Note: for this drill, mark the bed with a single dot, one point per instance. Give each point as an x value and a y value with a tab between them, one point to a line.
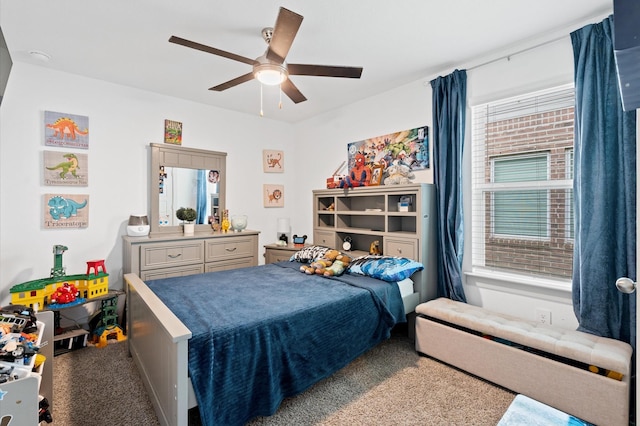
236	343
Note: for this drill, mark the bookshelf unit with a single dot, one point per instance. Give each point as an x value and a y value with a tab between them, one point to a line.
372	213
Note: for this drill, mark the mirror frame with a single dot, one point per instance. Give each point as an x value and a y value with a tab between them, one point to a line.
188	158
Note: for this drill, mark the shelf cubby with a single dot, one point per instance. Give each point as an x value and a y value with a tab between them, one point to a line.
361	222
368	214
361	203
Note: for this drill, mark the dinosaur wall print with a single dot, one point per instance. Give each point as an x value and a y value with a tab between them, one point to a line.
65	168
66	130
64	211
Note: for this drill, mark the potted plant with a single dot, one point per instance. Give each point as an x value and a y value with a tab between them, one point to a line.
187	215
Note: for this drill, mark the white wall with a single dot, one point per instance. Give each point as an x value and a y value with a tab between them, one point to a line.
410	106
123	121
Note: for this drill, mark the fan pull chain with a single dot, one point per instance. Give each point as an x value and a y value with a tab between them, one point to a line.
280	103
261	112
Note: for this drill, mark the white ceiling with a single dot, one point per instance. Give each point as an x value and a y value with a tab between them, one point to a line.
396	42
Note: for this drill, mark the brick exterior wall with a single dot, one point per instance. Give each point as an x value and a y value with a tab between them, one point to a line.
550	132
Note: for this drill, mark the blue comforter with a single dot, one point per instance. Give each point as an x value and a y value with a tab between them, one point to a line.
269	332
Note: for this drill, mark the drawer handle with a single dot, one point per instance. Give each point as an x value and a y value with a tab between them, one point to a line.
174	256
231	249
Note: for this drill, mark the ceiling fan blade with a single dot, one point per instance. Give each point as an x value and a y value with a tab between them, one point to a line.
231	83
292	91
284	31
209	49
324	70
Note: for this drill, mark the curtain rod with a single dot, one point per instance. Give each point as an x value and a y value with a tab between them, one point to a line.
560	35
508	57
500	58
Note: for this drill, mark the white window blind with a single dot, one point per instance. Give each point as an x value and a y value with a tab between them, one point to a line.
522	179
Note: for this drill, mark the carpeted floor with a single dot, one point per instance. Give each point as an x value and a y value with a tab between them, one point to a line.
389	385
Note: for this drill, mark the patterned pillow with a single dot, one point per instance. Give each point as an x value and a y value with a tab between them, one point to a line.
387	268
308	254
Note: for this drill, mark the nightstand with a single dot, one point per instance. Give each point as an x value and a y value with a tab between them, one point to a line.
275	253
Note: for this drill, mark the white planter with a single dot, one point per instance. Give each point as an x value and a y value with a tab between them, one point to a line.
189	228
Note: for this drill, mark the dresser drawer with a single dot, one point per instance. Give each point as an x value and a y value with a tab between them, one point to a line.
324	238
226	265
180	271
405	248
163	255
272	256
235	247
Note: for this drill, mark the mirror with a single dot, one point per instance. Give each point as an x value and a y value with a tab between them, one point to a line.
195	188
186	177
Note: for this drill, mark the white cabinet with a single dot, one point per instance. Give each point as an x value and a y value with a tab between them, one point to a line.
20	398
401	218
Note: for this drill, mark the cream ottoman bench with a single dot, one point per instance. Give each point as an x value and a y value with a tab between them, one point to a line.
578	373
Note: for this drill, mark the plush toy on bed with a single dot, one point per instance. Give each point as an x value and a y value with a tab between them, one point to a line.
338	266
318	266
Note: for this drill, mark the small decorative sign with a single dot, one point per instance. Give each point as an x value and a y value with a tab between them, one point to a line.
173	132
66	130
65	168
273	195
64	211
272	161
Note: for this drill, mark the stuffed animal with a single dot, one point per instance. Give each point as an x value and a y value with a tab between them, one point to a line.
359	175
338	266
318	266
374	248
398	174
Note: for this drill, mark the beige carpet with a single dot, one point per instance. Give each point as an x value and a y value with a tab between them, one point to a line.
389	385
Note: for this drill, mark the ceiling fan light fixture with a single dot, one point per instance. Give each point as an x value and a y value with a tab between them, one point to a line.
270	76
269	73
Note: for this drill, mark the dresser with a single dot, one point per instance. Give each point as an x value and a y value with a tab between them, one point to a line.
176	255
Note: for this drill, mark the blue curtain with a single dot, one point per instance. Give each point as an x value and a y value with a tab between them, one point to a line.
449	108
201	197
604	189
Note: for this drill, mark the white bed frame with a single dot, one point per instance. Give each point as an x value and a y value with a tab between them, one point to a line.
158	343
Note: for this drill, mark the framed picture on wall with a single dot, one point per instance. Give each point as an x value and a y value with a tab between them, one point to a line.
173	132
272	161
65	168
66	130
66	211
273	195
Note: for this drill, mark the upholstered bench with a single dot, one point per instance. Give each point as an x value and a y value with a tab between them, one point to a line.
578	373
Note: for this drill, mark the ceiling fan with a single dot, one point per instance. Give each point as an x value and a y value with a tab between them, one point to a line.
271	68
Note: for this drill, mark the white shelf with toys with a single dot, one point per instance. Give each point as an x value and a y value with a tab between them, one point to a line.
26	365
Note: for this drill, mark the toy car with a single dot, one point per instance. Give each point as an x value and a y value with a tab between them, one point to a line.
65	294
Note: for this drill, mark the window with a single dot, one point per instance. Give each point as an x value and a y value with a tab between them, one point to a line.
522	166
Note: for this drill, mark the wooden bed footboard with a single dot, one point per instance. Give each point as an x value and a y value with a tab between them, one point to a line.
158	343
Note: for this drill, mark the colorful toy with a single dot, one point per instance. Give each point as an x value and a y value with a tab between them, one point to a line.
374	248
299	241
225	224
338	267
107	326
41	292
318	266
359	175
